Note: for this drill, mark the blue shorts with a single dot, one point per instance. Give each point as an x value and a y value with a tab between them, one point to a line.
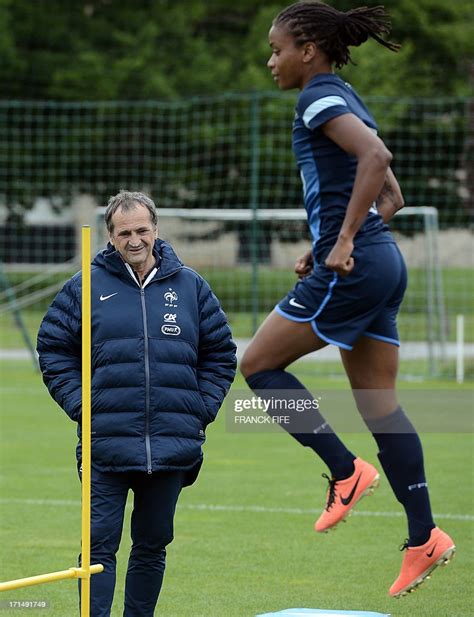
364	303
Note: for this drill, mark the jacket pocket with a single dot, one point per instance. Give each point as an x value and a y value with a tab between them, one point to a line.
202	411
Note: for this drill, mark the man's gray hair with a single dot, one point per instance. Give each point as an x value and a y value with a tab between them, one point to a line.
128	200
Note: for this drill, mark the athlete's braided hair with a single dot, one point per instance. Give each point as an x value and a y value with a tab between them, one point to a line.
334	31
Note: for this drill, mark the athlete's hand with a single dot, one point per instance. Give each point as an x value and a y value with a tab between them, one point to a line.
340	258
304	264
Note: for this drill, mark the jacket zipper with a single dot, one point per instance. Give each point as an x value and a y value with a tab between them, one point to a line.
147	374
147	383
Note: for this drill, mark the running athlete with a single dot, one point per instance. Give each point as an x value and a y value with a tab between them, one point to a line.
353	280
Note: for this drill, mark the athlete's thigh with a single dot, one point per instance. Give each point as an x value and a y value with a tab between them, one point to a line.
372	368
277	343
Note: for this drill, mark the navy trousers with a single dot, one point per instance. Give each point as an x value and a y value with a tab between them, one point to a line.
155	497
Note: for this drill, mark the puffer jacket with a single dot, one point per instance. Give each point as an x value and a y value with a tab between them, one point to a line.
162	361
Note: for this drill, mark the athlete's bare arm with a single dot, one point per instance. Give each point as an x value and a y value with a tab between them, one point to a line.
373	161
390	198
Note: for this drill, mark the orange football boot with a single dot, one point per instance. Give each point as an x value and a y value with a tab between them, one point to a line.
343	495
420	561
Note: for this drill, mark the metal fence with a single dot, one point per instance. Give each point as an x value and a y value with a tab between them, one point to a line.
60	161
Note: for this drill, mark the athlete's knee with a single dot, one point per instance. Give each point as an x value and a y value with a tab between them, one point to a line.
251	363
245	366
375	403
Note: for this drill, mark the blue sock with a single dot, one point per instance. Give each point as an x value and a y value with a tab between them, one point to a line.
401	456
308	427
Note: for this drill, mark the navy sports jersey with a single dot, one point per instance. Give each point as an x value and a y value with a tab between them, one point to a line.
327	171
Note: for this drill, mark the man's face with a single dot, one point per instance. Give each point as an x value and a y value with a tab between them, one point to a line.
133	236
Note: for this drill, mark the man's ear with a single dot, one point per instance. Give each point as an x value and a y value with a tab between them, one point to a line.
110	238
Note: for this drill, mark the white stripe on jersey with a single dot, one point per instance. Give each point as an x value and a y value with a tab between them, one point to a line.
320	105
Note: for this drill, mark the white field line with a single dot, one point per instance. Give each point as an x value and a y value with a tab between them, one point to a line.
231	508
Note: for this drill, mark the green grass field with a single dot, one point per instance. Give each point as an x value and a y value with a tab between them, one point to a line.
244	542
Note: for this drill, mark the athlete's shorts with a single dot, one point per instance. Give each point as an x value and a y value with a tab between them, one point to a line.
363	303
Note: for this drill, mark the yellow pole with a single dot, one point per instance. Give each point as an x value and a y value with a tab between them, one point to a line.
86	422
85	571
48	578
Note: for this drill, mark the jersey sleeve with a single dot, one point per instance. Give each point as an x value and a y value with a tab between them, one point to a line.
315	110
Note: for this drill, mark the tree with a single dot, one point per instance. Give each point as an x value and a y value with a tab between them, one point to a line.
141	49
162	50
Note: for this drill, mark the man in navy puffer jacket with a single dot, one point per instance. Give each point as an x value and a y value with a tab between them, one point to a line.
162	362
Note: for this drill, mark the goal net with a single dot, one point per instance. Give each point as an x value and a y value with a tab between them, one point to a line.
223	175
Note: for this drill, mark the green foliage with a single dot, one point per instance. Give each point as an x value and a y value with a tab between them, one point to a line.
11	63
140	49
378	70
441	34
144	50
